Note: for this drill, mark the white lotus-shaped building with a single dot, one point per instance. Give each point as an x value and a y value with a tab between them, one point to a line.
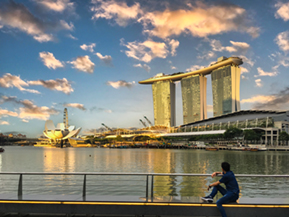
62	131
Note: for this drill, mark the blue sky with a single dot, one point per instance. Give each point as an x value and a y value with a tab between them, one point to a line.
88	56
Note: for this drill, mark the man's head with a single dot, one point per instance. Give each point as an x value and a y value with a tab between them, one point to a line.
225	166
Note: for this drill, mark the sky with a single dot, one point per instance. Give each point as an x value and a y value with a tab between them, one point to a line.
88	56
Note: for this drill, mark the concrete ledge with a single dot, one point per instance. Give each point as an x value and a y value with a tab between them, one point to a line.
140	208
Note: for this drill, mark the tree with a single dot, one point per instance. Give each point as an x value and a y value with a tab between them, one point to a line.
233	132
283	137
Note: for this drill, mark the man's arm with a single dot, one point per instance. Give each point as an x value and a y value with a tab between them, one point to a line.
215	174
214	184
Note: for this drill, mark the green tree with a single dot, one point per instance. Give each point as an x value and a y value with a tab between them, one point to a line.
233	132
283	137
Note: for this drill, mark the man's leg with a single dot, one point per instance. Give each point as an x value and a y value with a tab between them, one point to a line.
229	197
217	188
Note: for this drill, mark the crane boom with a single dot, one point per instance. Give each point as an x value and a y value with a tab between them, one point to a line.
143	123
106	127
150	123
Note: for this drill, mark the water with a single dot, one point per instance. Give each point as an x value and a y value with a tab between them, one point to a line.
37	159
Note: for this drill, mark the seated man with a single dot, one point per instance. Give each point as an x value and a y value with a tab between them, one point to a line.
230	194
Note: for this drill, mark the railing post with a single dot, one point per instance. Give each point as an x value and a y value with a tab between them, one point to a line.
152	189
147	188
20	187
84	186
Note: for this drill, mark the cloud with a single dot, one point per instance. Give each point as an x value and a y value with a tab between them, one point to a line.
118	84
106	59
50	61
194	68
258	83
100	109
282	40
83	63
244	77
244	70
61	85
119	11
207	56
282	11
75	105
173	67
5	113
144	66
146	51
281	59
88	47
247	60
275	101
174	44
72	37
240	47
29	110
56	5
200	21
262	73
9	80
4	122
17	16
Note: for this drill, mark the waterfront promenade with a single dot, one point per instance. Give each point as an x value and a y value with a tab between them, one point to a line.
24	200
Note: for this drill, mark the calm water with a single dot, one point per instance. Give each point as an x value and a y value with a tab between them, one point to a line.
36	159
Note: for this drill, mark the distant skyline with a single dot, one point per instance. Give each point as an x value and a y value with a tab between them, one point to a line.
88	56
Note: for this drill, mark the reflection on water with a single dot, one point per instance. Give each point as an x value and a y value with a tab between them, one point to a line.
36	159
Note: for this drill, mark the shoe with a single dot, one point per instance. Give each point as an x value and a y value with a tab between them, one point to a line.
207	198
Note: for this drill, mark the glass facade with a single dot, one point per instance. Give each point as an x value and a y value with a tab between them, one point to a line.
225	87
164	103
194	98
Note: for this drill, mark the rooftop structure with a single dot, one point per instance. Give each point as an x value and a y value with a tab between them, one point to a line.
225	75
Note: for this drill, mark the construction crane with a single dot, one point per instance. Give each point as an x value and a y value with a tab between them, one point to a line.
150	123
106	127
143	123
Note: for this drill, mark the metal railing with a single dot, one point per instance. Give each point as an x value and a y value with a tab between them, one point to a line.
145	185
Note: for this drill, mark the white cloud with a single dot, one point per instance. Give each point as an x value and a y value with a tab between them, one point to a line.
173	67
118	84
241	47
4	113
262	73
258	83
119	11
146	51
75	105
194	68
201	21
72	37
88	47
61	85
144	66
56	5
4	122
16	15
31	111
258	99
282	40
282	11
207	56
8	81
247	60
28	109
174	44
244	70
50	61
106	59
83	63
244	77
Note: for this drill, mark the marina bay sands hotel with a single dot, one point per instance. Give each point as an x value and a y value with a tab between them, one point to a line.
225	76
